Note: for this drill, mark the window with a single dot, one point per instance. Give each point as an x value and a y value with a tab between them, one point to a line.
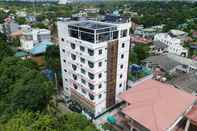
74	67
74	77
124	33
121	76
91	76
83	71
83	81
90	52
63	50
82	48
91	65
121	66
123	45
75	86
100	96
72	45
82	60
100	86
91	96
122	56
100	64
100	75
65	70
120	85
64	61
83	91
91	86
66	79
100	51
62	39
73	56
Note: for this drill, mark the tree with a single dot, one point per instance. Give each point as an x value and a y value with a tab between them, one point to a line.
26	120
22	86
140	52
52	57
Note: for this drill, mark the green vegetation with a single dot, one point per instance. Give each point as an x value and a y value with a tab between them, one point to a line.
26	96
138	53
26	120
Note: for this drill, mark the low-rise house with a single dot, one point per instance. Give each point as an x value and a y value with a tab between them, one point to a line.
148	32
174	40
170	63
187	82
9	26
159	48
155	106
140	40
32	37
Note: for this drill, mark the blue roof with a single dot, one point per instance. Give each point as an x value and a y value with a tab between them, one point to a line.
40	48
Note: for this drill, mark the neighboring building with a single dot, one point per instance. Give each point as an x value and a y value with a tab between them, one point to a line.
170	63
159	48
9	26
187	82
32	37
155	106
174	40
65	1
140	40
148	32
94	58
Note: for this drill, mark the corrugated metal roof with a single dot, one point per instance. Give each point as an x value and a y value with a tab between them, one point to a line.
40	48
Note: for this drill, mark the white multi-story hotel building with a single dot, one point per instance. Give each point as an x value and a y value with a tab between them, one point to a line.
174	40
94	60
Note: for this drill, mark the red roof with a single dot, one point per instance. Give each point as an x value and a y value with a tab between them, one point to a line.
156	105
192	115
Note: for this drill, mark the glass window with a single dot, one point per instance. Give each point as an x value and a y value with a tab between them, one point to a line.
74	33
91	76
120	85
87	37
90	52
121	76
74	67
91	86
100	75
82	60
65	70
91	64
100	64
83	81
124	33
100	86
62	39
83	71
74	77
100	96
63	50
83	91
75	86
122	56
123	45
115	35
121	66
100	51
82	48
72	45
73	56
91	96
